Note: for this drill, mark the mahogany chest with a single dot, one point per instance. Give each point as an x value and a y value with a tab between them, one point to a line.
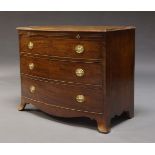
78	71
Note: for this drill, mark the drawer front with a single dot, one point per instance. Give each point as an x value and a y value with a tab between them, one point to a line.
34	66
69	48
78	72
86	99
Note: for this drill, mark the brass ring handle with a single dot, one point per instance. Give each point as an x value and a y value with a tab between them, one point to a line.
32	89
31	66
79	49
79	72
30	45
80	98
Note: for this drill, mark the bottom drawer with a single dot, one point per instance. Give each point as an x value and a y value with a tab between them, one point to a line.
69	96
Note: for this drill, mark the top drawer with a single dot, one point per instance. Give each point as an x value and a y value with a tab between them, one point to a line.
62	47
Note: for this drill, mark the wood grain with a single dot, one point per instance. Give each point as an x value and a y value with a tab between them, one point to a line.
62	70
63	95
119	73
108	62
73	28
47	45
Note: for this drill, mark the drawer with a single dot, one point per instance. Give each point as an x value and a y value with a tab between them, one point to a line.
68	48
61	70
68	96
34	66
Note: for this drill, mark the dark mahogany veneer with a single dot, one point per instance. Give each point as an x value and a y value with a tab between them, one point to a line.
96	80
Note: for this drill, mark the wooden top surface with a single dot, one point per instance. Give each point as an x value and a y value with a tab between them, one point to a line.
69	28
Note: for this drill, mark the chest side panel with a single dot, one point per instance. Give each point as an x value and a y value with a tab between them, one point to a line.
120	51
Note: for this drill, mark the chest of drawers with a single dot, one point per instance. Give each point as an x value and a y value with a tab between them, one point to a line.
78	71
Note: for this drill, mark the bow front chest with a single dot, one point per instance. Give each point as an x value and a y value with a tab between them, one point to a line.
78	71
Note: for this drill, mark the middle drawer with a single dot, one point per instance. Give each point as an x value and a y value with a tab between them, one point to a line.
62	70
